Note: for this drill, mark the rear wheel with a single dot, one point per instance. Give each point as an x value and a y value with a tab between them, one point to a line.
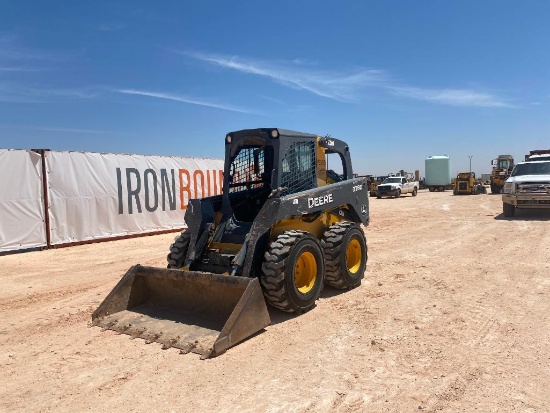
178	250
345	250
431	188
509	210
414	192
293	272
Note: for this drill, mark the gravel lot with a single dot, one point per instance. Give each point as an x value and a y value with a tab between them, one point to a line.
453	315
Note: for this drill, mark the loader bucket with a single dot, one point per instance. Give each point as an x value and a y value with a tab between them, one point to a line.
204	313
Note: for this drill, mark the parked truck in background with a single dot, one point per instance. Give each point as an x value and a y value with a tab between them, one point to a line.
395	186
502	168
374	182
528	187
538	155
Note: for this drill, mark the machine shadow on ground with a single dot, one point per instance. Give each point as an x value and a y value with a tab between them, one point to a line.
526	215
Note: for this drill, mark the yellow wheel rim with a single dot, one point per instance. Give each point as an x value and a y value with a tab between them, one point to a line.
353	256
305	272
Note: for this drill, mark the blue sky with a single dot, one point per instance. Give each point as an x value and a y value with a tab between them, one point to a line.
398	80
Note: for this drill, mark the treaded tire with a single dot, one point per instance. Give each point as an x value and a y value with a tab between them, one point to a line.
335	245
414	192
508	210
178	250
279	271
398	193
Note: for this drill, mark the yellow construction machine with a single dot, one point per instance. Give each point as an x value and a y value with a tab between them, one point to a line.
465	183
374	182
502	168
283	227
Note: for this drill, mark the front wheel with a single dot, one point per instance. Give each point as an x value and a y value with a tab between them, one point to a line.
293	272
398	193
509	210
345	250
178	250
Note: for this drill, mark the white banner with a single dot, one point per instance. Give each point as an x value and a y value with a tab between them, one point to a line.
102	195
21	204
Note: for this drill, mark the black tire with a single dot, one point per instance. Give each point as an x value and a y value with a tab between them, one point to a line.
293	272
345	250
378	196
178	250
431	188
414	192
508	210
398	193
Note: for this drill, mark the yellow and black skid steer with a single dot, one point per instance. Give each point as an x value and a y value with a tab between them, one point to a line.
282	228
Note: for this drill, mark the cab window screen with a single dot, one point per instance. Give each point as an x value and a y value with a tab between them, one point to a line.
298	167
243	175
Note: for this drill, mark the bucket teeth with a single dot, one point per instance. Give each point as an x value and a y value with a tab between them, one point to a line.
110	324
169	343
151	338
137	333
187	348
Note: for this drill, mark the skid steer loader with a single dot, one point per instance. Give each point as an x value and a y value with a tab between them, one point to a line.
283	227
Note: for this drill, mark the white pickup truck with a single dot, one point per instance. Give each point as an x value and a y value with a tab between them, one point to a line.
396	186
527	187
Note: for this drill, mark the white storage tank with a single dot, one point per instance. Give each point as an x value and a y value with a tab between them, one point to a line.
438	172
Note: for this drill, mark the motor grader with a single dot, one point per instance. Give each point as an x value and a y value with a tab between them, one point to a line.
282	228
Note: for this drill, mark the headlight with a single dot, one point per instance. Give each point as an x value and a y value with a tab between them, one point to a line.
509	188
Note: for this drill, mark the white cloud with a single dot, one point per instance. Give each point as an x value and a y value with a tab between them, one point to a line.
184	99
110	27
453	97
347	86
14	92
68	130
18	69
341	86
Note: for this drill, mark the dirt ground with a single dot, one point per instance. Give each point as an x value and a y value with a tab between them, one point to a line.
453	315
